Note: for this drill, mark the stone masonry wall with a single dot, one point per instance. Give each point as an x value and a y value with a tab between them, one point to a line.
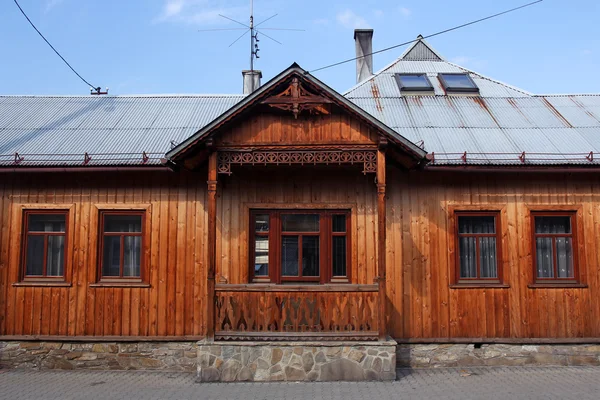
167	356
301	361
453	355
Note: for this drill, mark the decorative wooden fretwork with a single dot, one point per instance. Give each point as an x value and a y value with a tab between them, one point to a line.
366	157
296	99
270	315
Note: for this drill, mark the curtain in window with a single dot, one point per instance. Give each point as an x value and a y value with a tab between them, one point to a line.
132	246
545	249
473	226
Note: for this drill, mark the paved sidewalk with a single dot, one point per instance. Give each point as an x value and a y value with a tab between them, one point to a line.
453	383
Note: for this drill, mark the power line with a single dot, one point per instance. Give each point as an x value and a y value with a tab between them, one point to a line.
52	47
428	36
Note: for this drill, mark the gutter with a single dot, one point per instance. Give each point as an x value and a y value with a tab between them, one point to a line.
475	169
84	169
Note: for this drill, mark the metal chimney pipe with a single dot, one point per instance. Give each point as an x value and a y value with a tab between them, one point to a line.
364	47
251	80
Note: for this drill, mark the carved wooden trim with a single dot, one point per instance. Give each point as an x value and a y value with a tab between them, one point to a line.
367	157
295	98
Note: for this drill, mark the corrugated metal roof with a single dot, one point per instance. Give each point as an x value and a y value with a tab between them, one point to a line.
494	127
112	130
503	125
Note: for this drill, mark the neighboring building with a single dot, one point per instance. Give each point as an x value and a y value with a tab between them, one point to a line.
429	204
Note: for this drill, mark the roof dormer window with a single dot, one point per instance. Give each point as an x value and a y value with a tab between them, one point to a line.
414	83
458	83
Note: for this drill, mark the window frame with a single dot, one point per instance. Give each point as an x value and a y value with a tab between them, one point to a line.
450	89
573	216
498	229
101	234
24	238
403	88
275	235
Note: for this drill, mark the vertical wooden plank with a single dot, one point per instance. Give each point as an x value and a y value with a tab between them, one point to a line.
181	264
381	243
212	244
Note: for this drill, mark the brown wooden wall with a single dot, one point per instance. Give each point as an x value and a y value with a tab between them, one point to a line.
277	129
420	253
310	188
419	249
171	306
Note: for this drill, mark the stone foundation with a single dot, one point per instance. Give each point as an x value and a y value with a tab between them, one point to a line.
299	361
458	355
166	356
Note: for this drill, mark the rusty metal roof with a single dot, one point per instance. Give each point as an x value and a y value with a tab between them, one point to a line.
499	126
502	125
111	130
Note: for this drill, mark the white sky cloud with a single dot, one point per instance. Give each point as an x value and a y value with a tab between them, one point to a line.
406	12
50	4
349	19
378	13
201	12
586	52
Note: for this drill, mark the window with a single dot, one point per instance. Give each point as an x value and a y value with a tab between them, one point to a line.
413	83
122	245
478	247
554	244
299	246
458	83
44	244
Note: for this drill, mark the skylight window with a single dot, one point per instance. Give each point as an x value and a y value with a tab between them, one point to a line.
413	83
458	83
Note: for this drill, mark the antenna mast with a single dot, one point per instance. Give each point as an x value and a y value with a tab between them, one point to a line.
253	38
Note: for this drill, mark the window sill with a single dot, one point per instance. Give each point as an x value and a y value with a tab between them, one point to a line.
42	284
479	286
557	286
120	285
257	287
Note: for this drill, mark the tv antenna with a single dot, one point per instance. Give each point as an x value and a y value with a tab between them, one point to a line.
253	30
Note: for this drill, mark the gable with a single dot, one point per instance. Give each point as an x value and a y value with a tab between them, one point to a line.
297	109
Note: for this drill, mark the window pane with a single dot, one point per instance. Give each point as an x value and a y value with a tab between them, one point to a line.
553	224
544	259
122	223
261	256
472	224
35	255
132	255
300	222
338	223
111	257
261	223
460	81
468	257
289	256
46	223
310	256
339	256
416	81
56	255
487	257
564	257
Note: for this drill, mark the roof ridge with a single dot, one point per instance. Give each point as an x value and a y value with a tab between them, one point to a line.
491	79
76	96
421	40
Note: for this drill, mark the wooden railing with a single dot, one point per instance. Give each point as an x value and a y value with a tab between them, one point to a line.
324	312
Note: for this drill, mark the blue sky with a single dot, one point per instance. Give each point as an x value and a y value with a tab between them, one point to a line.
153	46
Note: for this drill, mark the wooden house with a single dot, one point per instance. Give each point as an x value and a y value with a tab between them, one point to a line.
427	205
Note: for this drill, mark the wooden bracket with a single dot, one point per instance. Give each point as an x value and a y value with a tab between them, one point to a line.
296	98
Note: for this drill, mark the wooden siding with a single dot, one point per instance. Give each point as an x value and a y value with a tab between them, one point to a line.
420	256
171	306
330	187
419	249
282	129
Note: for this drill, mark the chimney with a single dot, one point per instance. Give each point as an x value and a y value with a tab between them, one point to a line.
364	47
251	80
